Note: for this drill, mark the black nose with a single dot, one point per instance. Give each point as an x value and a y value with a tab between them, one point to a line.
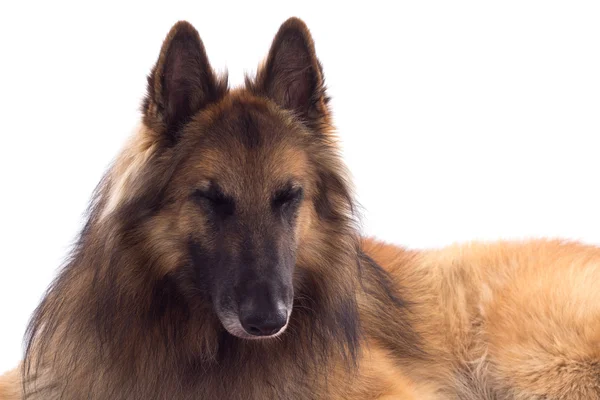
263	324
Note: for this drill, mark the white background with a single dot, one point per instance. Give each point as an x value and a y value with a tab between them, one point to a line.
460	120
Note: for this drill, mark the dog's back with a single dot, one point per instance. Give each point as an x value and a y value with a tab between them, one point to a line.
503	320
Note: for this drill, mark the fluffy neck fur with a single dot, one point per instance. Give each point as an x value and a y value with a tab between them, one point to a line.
111	326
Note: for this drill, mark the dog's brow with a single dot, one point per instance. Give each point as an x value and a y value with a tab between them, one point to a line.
205	184
287	186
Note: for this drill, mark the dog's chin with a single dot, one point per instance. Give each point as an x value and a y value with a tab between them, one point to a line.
232	325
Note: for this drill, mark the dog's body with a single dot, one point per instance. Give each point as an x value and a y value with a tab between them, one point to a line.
503	320
221	261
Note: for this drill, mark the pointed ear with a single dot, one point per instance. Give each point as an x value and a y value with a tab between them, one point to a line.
181	83
292	75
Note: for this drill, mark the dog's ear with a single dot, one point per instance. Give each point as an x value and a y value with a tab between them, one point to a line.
292	75
181	83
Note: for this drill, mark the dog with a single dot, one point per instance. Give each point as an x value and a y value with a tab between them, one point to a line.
221	259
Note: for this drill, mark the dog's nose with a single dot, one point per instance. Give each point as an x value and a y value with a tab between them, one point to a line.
263	324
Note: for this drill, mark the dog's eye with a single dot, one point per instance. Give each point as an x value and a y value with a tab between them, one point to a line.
289	196
219	203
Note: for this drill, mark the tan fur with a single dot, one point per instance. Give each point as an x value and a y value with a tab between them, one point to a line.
503	320
134	155
10	385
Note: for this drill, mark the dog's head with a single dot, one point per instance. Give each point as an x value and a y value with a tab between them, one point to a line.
237	187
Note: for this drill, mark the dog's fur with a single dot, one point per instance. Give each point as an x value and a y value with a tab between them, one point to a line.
136	312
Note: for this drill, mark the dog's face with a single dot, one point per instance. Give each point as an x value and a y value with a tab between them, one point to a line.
248	183
245	192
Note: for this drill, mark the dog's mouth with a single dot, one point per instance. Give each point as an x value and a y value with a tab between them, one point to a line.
231	322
